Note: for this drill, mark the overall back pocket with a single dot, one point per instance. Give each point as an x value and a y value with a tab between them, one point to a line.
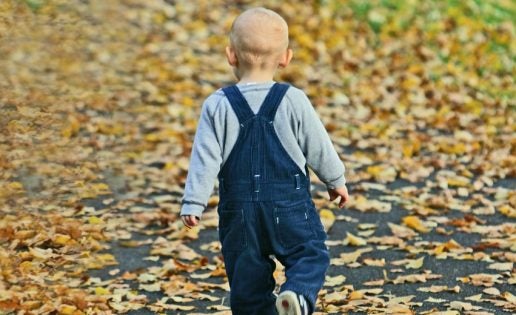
232	230
293	225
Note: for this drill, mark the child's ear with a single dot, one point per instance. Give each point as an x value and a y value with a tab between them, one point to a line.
231	56
285	59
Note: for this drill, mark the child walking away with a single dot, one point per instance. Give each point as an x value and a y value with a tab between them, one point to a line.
258	137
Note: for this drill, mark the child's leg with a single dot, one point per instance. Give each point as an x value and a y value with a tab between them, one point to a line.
248	266
251	284
299	246
305	271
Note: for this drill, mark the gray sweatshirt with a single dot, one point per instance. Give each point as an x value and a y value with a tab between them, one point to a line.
297	124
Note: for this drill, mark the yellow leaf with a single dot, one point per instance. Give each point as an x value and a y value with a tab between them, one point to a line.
41	253
110	129
374	170
201	276
476	298
101	188
334	281
151	258
153	287
347	258
451	244
327	219
95	220
66	309
458	181
363	204
374	262
15	186
353	240
408	150
509	297
72	128
415	263
508	211
462	306
439	249
186	233
147	277
188	101
464	279
61	239
304	39
439	288
213	201
456	148
401	231
334	298
102	291
382	173
25	266
152	137
356	295
508	266
492	291
410	82
107	259
413	222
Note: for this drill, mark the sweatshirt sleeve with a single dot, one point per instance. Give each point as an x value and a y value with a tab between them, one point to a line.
317	146
205	162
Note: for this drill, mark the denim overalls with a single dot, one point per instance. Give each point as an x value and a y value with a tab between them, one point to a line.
266	209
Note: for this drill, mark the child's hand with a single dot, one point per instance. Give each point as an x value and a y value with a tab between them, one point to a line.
342	192
190	220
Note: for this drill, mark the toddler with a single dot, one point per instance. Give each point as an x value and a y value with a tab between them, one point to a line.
258	137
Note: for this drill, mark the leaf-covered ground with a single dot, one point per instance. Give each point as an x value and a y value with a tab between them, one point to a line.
98	107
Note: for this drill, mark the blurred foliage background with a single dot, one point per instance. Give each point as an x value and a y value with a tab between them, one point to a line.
90	87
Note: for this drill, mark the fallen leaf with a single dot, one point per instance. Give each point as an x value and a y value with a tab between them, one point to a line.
327	219
463	306
413	222
501	266
334	281
509	297
401	231
491	291
152	287
353	240
415	264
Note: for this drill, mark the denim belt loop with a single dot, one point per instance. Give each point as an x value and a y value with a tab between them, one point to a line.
257	183
298	181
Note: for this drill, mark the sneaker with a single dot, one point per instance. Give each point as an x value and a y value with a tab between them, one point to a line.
290	303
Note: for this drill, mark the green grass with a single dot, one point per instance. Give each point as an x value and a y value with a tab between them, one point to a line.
492	12
376	14
34	5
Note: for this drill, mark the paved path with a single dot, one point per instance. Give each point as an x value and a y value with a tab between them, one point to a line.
447	271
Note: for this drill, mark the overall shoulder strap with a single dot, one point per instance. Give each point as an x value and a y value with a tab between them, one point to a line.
238	103
272	100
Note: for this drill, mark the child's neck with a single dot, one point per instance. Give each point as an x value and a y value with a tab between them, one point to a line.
256	76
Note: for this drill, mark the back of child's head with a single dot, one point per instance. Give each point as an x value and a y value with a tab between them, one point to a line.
258	36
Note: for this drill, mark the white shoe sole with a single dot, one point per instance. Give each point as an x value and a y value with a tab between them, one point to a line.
288	304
